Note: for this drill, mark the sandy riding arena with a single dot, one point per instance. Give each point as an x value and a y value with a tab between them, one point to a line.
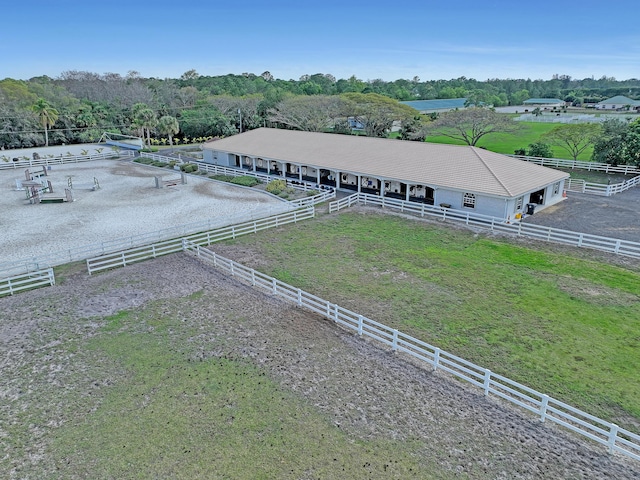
126	204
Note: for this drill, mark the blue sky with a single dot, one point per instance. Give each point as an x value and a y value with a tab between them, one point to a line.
371	39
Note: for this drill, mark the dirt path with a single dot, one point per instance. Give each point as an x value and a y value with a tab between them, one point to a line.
365	390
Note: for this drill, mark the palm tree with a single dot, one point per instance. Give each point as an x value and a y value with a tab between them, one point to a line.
47	116
145	119
168	125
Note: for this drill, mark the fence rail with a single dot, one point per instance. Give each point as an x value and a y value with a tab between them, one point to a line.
615	438
495	224
590	166
43	162
325	194
133	255
18	283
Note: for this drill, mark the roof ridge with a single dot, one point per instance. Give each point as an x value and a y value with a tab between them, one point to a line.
475	150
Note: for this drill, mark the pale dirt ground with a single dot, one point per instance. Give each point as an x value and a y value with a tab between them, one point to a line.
127	204
364	389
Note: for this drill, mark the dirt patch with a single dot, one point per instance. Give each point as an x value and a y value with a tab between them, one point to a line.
366	391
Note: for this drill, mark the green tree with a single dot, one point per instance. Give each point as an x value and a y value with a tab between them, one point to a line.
619	143
145	119
316	113
540	149
376	112
205	122
575	138
471	124
47	115
168	125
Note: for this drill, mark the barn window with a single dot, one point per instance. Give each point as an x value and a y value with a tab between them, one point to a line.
519	202
469	200
556	188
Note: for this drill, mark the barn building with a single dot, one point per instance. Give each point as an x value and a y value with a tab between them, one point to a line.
459	177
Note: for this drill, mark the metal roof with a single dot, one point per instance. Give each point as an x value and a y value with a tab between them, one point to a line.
619	100
439	104
542	101
456	167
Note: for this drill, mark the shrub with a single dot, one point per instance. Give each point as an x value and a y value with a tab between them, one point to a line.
189	167
276	186
221	178
245	181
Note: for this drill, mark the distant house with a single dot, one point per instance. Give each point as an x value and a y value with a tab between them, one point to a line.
439	105
619	102
460	177
544	102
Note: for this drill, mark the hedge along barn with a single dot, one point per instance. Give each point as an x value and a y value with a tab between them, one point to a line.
459	177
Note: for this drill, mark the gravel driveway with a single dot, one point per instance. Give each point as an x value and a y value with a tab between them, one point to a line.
615	217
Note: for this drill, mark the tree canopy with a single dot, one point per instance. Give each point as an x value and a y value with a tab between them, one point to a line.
574	138
471	124
619	143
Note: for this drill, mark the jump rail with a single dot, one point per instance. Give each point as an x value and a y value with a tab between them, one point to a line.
495	224
615	438
18	283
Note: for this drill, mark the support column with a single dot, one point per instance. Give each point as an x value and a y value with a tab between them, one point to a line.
381	180
318	176
359	177
408	188
253	161
300	173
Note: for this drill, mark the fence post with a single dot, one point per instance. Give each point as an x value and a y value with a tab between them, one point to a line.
274	285
215	259
394	343
52	278
487	380
253	277
10	287
335	312
543	407
299	297
360	323
613	434
124	260
436	358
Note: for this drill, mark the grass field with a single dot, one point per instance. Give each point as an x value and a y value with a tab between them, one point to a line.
507	143
562	325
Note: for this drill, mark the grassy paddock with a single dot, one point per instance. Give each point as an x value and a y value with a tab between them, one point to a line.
565	326
507	143
174	414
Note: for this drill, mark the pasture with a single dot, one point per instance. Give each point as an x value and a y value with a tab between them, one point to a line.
507	143
554	321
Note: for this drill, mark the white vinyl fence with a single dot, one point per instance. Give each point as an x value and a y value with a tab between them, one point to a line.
572	164
495	224
326	193
27	281
43	162
133	255
616	439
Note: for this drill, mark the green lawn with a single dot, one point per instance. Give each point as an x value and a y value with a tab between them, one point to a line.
562	325
507	143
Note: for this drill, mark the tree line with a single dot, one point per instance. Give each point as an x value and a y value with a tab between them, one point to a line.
77	107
